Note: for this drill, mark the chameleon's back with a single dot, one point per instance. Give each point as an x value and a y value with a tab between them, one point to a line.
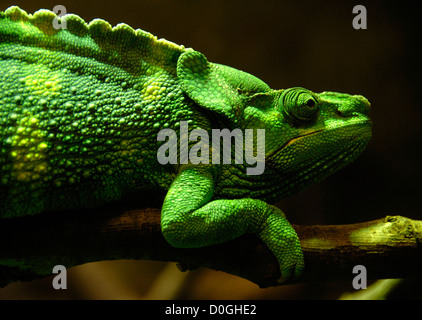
76	108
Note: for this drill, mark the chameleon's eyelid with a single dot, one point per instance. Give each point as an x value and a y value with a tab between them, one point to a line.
299	105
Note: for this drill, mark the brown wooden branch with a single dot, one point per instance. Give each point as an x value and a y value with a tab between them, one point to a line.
30	247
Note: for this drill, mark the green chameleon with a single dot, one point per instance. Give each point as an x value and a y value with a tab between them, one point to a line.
81	109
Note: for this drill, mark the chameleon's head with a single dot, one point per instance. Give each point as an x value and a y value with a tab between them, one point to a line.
308	136
315	134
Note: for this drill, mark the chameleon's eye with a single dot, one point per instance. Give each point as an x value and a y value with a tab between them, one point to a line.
311	103
299	104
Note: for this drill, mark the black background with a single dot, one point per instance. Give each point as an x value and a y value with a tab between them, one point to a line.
314	45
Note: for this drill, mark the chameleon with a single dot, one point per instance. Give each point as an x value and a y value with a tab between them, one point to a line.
82	108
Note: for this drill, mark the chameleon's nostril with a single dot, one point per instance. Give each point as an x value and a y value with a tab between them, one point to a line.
363	104
353	106
338	113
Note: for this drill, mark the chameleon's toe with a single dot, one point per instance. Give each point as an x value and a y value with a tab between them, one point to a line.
291	267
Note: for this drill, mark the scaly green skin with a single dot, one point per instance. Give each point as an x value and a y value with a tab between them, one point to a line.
81	109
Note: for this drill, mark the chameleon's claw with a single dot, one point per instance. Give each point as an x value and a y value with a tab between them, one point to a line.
291	273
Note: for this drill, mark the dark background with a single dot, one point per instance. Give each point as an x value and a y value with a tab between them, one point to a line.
304	43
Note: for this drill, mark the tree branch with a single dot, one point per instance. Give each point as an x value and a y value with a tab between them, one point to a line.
31	246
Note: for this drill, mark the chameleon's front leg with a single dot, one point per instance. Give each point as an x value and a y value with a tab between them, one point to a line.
191	219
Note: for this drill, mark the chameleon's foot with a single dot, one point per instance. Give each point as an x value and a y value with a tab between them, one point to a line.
190	220
281	238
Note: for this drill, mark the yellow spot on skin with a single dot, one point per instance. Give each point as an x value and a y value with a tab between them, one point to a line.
42	146
40	168
151	90
23	142
28	151
22	176
33	121
43	81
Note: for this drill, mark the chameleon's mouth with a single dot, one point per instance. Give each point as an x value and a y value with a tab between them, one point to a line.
312	156
359	125
318	144
294	140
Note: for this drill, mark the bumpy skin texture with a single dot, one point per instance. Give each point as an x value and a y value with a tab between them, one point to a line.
81	108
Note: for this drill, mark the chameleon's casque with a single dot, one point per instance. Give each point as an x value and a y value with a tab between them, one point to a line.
81	108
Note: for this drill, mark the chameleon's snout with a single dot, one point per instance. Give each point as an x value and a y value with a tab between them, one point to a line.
362	104
348	105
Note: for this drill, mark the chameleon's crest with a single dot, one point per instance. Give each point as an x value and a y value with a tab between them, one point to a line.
121	45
